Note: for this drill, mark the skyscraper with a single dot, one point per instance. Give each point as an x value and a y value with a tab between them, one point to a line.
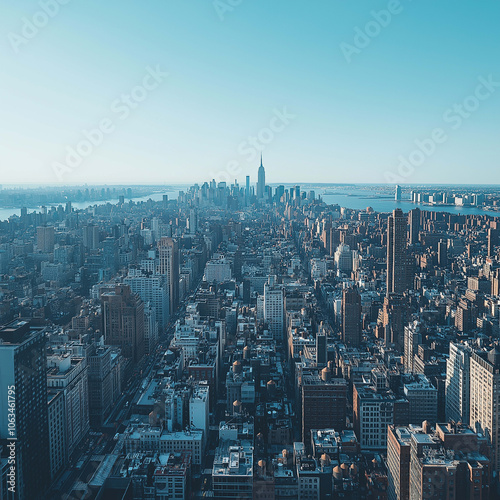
123	321
397	197
274	312
442	253
261	181
414	220
24	381
396	252
168	254
45	238
484	397
351	317
458	383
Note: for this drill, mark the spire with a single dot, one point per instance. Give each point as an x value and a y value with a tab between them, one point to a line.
261	160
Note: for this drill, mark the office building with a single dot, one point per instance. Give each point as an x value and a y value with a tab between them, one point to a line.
261	181
351	317
396	253
123	321
458	383
485	398
324	403
45	238
23	366
274	310
168	255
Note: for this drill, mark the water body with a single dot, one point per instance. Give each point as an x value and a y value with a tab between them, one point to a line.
381	202
172	193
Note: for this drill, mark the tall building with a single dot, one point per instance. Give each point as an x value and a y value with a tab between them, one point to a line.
45	238
57	431
373	411
321	349
422	399
397	196
274	308
324	403
412	339
448	462
23	370
69	374
458	383
343	258
485	399
396	253
442	253
151	288
100	384
261	181
351	317
414	221
398	463
123	321
168	254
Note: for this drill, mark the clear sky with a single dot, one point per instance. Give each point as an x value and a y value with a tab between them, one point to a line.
330	90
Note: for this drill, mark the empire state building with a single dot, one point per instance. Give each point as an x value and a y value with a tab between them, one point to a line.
261	180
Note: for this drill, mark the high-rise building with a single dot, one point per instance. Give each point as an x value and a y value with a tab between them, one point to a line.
324	403
57	431
414	221
321	349
412	339
442	253
24	382
151	288
485	397
70	375
398	463
343	258
373	411
261	181
123	321
396	253
45	238
168	255
351	317
422	397
274	310
199	410
449	462
397	196
100	384
458	383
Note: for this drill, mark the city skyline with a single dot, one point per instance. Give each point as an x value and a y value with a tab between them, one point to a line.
353	95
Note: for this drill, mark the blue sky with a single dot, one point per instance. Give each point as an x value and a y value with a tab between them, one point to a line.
234	70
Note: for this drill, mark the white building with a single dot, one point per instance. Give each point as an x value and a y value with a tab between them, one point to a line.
217	270
343	258
274	311
199	411
458	383
151	288
147	438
